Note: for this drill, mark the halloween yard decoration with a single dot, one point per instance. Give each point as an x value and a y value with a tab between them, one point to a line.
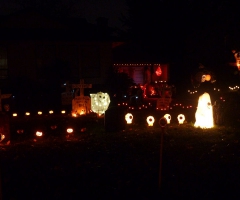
181	118
100	102
81	103
204	113
168	118
150	120
129	118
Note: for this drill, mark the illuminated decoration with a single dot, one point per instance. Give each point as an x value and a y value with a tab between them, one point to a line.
181	118
2	137
27	113
81	104
69	130
39	112
74	114
150	120
20	131
100	102
158	71
51	112
129	118
208	77
63	111
53	127
14	114
204	113
39	133
168	118
237	58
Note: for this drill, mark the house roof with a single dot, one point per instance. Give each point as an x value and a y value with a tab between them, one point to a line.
136	52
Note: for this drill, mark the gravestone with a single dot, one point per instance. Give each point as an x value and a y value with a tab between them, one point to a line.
81	104
67	96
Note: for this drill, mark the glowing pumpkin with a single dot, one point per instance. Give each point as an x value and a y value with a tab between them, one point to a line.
204	113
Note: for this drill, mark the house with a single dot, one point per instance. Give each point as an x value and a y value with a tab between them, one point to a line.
148	69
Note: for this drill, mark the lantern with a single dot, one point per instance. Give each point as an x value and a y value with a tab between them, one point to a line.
168	118
181	118
204	113
39	133
150	120
100	102
129	118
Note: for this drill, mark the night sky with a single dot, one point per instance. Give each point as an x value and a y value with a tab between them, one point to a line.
89	9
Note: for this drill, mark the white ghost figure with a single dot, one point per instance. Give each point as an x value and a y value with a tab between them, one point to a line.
100	102
204	113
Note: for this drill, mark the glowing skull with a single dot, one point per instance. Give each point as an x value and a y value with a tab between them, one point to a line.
204	113
100	102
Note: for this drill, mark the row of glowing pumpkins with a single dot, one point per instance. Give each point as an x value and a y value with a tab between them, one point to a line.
150	119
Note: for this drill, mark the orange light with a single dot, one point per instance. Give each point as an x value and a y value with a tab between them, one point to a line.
27	113
51	112
63	111
14	114
39	112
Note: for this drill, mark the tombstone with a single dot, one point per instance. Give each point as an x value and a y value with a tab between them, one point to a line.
4	128
67	96
114	119
81	104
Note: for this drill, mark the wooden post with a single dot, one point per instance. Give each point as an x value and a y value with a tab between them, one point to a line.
162	123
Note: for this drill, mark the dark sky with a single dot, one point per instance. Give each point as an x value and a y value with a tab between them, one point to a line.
89	9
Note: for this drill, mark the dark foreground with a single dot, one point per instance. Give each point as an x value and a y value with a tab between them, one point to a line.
93	164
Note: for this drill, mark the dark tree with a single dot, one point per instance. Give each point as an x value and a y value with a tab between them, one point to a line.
117	83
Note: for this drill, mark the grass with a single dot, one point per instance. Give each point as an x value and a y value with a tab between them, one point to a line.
92	163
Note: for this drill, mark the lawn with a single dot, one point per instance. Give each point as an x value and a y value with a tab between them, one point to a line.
91	163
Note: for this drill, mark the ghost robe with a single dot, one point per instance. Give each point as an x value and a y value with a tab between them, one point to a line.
204	113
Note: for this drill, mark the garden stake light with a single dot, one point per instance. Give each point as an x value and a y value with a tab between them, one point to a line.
181	118
168	118
150	120
129	118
